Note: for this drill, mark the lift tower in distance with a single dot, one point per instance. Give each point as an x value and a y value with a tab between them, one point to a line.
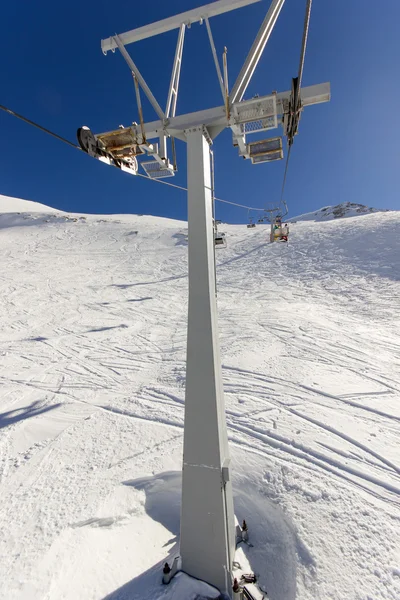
207	536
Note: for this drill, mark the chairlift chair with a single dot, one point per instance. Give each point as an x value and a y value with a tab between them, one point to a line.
284	233
280	232
220	240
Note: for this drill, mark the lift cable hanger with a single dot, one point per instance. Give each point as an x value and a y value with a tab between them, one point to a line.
77	147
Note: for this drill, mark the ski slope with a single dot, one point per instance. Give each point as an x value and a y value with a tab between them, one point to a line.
92	371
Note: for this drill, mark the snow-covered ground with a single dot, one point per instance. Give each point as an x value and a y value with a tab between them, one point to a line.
92	369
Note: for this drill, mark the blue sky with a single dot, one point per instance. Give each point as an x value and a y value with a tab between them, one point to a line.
53	72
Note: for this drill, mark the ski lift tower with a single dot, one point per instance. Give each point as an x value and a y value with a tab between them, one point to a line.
207	536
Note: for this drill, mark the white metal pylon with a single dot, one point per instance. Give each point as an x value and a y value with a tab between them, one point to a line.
207	517
207	542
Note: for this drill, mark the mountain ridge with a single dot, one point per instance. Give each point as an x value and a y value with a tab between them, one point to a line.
338	211
9	204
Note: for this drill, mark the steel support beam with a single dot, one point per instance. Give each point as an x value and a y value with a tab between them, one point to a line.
215	117
256	51
207	541
190	16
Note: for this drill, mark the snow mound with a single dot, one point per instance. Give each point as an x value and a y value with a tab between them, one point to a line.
15	212
16	205
345	209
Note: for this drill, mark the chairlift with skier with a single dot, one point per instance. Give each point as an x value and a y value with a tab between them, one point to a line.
279	231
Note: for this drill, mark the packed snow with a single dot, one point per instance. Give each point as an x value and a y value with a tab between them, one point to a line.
92	353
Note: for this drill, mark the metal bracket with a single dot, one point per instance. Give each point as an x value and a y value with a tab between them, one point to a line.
265	150
206	135
156	170
225	471
252	116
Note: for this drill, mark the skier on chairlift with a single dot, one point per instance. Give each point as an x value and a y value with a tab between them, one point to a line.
285	233
280	232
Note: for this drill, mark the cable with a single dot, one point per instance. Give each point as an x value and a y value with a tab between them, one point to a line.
297	102
304	41
239	205
285	174
58	137
180	187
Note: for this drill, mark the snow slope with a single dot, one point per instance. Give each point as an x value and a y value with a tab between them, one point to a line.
92	370
346	209
16	205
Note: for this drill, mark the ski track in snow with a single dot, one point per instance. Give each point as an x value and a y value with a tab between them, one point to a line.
92	354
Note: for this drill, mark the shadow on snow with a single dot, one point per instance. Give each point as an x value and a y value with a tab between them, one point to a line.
25	412
274	556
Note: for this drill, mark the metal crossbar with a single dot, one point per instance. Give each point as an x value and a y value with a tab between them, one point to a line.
189	17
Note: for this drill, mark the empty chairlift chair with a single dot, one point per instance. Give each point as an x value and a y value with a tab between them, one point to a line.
219	240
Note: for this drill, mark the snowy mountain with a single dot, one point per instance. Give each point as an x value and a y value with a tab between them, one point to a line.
346	209
92	372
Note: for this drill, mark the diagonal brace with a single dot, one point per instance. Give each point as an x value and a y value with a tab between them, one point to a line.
140	79
214	52
256	51
175	76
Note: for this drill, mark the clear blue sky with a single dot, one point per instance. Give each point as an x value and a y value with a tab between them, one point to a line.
53	71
